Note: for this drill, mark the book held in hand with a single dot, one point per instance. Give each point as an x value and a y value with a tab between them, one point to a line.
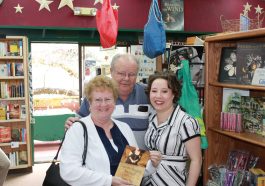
132	165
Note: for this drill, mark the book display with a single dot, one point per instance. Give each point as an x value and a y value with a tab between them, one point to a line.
222	142
15	138
132	165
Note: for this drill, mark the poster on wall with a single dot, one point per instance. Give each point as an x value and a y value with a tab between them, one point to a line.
173	14
147	66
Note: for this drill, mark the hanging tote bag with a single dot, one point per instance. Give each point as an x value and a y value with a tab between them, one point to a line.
189	99
154	33
107	24
53	177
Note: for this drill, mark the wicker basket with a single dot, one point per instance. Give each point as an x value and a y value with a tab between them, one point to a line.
233	25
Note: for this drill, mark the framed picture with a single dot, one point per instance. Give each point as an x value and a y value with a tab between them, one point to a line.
227	68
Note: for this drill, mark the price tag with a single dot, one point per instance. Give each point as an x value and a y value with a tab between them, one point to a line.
14	144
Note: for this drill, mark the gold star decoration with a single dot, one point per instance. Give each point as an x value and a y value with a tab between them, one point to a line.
69	3
258	9
115	7
98	1
18	8
44	4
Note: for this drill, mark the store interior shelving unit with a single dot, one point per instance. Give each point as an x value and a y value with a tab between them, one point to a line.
222	142
20	96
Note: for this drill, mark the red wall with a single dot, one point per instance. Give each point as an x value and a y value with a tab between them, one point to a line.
200	15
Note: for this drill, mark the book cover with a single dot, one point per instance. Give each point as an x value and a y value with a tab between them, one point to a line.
252	109
15	134
19	70
227	68
132	165
3	70
22	157
5	134
232	99
173	14
3	112
250	56
14	111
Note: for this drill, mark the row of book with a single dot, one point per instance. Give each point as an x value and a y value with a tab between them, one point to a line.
11	48
11	69
12	111
8	134
11	89
18	158
250	109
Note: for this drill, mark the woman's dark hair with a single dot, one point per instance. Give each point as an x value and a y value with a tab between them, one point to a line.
171	78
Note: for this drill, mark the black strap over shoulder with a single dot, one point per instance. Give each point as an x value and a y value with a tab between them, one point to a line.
85	144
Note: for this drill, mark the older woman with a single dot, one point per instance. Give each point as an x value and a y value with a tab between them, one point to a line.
107	139
172	132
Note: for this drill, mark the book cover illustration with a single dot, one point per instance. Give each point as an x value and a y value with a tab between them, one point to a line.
22	157
250	56
132	165
15	134
14	111
173	14
228	62
252	109
19	70
232	99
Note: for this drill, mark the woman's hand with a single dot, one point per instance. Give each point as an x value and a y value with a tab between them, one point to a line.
69	122
155	157
117	181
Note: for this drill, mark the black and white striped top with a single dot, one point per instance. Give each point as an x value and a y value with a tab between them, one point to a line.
169	138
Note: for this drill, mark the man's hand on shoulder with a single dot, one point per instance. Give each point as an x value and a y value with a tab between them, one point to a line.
69	122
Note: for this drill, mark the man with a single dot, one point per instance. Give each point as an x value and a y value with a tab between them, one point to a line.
132	106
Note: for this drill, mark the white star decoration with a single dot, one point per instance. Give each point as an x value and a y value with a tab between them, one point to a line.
247	6
98	1
115	7
44	4
18	8
258	9
69	3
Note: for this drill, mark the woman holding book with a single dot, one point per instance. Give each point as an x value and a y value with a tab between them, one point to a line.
172	132
107	139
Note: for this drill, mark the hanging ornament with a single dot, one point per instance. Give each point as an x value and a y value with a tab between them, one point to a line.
107	24
115	7
18	8
44	4
98	1
69	3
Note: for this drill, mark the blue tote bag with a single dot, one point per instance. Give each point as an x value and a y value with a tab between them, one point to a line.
154	33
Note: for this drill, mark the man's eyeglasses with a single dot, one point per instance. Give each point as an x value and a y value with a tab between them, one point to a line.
124	74
105	100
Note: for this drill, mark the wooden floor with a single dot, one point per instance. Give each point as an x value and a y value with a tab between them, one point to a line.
43	154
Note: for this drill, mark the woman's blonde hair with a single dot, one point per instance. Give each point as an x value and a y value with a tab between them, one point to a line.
101	83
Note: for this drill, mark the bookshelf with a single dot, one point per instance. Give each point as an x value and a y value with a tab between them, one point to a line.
222	142
15	137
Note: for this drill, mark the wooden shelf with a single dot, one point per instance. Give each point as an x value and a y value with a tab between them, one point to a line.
247	137
21	83
13	99
221	142
11	57
12	77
